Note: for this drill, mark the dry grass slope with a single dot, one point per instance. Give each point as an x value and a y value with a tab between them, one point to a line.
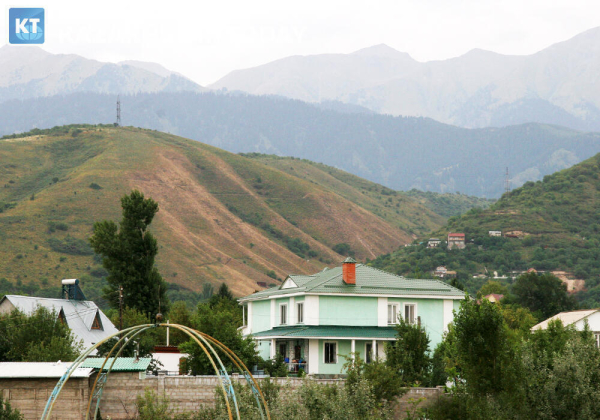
222	218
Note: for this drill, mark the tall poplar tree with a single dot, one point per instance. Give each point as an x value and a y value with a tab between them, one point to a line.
128	252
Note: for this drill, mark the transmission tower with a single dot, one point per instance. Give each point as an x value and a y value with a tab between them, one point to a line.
118	123
506	182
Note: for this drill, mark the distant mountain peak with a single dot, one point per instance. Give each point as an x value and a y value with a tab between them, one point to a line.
380	50
155	68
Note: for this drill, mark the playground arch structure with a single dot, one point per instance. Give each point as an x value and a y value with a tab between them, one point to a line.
206	343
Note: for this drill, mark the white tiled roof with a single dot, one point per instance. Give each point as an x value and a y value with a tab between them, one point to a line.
79	315
40	370
567	318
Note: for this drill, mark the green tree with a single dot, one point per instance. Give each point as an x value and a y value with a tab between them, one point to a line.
143	344
128	252
544	295
481	342
179	314
562	370
39	337
493	287
219	318
408	355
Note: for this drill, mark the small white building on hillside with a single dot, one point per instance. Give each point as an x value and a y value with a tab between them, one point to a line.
578	319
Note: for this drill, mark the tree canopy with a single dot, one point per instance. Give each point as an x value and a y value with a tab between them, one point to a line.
544	294
38	337
128	252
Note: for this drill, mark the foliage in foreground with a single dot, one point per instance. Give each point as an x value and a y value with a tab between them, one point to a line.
39	337
7	412
311	401
503	372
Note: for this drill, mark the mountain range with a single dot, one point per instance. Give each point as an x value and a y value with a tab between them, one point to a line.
401	153
32	72
558	85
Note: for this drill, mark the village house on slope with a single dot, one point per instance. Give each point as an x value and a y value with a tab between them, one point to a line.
433	243
86	321
578	319
456	240
312	320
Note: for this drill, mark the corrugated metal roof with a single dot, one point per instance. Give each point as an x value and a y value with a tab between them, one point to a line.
325	331
567	318
40	370
369	281
123	364
79	315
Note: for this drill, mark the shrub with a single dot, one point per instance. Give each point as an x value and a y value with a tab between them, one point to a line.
343	249
7	412
95	186
70	245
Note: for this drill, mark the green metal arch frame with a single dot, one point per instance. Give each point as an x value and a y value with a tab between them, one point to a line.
205	342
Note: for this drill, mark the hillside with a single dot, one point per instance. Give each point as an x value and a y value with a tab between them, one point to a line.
401	153
223	217
394	202
554	224
556	85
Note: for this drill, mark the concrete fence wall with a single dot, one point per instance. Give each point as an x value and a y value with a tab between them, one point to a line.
29	396
185	393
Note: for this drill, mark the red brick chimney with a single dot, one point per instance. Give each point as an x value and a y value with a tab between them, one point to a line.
349	270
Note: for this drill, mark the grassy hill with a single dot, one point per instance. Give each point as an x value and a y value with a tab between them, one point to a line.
556	221
223	217
397	207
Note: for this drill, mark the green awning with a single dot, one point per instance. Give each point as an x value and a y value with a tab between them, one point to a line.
123	364
328	331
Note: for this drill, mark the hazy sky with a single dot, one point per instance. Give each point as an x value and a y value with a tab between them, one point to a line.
205	40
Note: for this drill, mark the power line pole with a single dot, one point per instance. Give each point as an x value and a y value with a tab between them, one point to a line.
118	123
507	182
120	308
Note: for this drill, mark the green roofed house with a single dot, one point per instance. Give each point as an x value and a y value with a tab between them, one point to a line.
314	319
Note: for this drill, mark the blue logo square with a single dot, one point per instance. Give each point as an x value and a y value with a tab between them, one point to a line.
26	25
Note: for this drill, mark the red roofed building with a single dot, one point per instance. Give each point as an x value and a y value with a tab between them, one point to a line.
456	240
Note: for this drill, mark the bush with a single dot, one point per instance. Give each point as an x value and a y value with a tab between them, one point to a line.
7	412
70	245
343	249
276	368
54	226
95	186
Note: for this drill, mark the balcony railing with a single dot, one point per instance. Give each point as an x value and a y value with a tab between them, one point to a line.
295	367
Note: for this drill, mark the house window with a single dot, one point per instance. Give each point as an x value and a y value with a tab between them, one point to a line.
300	311
597	336
61	317
283	314
96	325
393	313
244	316
370	354
410	313
331	352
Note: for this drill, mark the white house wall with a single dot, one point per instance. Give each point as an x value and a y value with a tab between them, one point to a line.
311	310
593	321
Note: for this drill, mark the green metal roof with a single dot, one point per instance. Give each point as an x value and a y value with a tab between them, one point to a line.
327	331
369	281
123	364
